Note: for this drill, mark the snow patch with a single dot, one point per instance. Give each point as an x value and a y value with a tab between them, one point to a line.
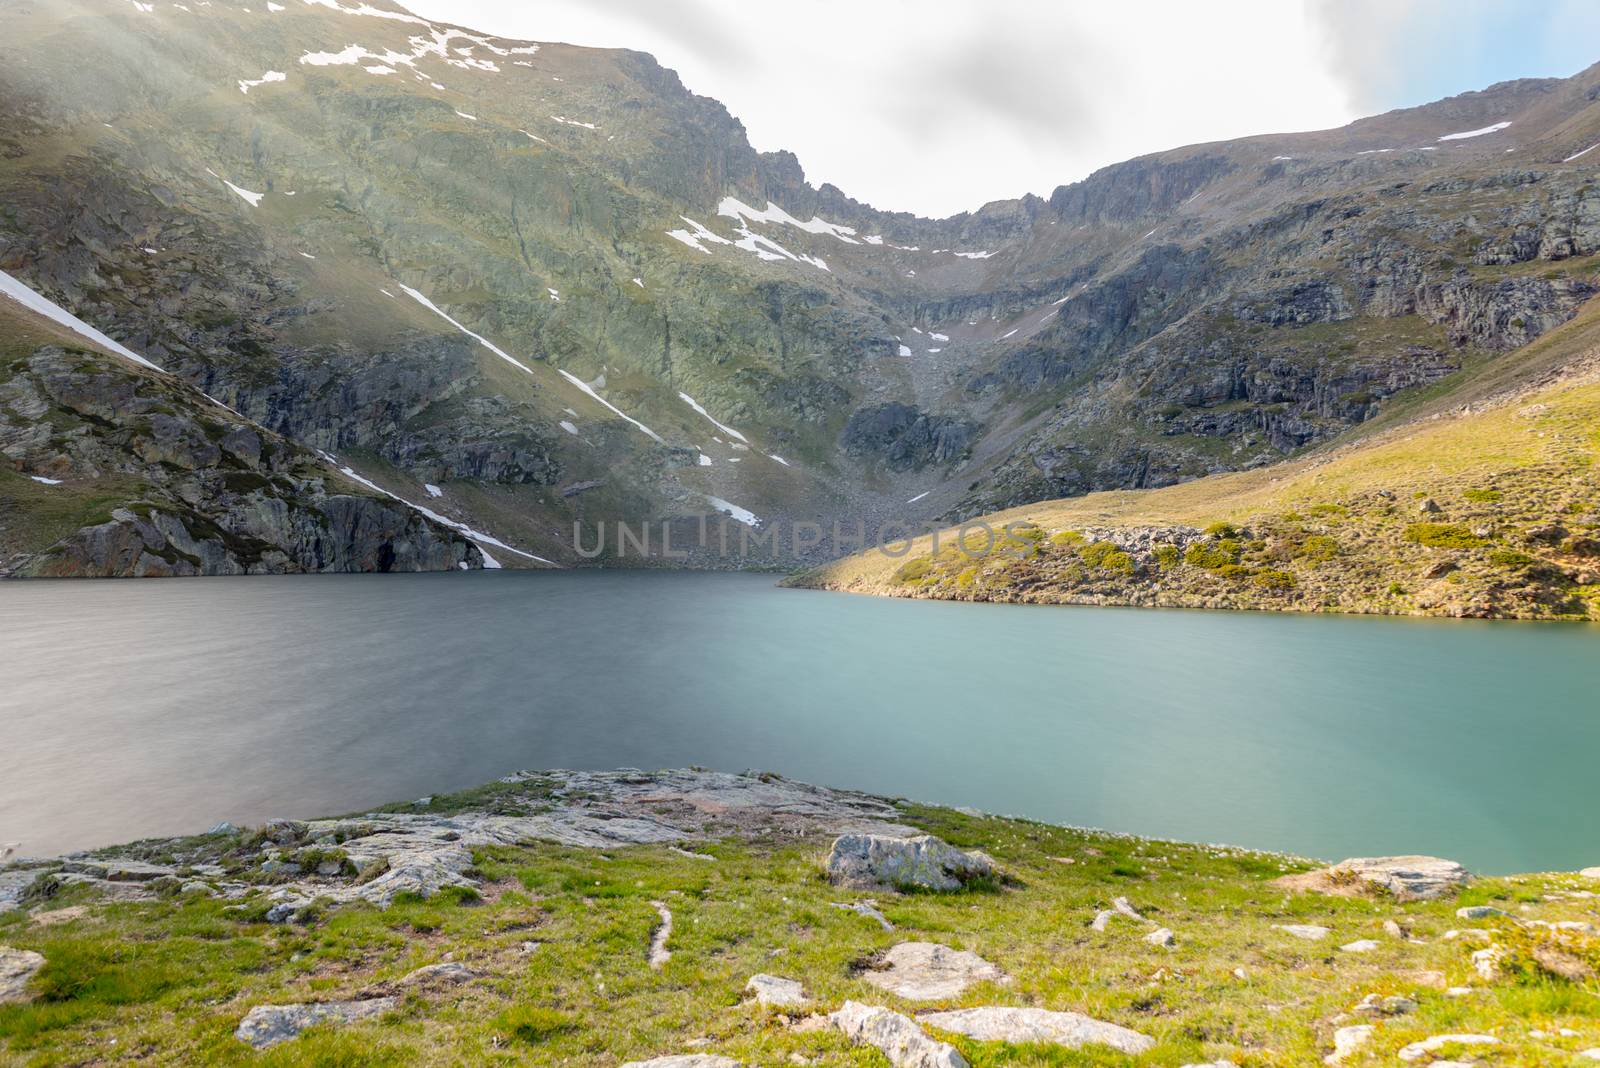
733	511
728	430
1007	334
568	427
25	296
1580	155
477	536
697	234
1476	133
555	295
777	459
464	115
247	84
940	337
45	481
563	120
919	497
581	384
705	461
433	491
734	208
975	255
639	282
479	338
905	350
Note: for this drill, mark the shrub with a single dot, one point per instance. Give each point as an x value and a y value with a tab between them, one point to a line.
913	570
1107	557
1442	536
1067	537
1168	556
1275	580
1318	548
1222	530
1510	558
1230	571
1328	509
1210	557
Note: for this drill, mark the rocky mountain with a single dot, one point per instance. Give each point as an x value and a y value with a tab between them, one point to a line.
556	287
138	473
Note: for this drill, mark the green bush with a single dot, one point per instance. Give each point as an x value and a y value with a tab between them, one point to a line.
913	570
1510	558
1168	556
1107	557
1275	580
1222	530
1442	536
1230	571
1318	548
1067	537
1210	557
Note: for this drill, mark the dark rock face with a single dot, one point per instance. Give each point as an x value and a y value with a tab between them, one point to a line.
207	493
907	438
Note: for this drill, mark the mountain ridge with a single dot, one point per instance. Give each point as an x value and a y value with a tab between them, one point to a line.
1288	287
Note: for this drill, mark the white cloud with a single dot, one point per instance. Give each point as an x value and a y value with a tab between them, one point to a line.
937	106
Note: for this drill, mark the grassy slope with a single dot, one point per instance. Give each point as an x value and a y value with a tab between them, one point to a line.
1507	447
168	981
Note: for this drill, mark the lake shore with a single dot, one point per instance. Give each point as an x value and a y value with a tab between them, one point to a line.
604	918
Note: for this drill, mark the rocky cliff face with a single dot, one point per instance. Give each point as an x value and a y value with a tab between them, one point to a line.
505	268
112	470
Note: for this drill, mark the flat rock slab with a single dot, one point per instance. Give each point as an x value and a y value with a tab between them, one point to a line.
925	971
897	1037
1590	873
1308	931
267	1025
923	862
777	992
1409	878
445	973
17	968
687	1060
1069	1029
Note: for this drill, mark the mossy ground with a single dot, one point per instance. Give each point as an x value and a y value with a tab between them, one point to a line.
168	981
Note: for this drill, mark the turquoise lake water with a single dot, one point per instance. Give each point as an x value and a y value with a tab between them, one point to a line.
138	708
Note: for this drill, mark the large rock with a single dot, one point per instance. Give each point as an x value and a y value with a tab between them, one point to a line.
1070	1029
925	971
897	1037
1410	878
1590	873
267	1025
873	861
17	968
1418	1050
777	992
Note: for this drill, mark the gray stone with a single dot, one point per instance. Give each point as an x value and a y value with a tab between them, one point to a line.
267	1025
119	870
776	992
924	971
442	974
868	909
1392	1005
1478	912
1308	931
923	862
1360	945
1069	1029
1161	937
1347	1041
687	1060
897	1037
17	968
1409	878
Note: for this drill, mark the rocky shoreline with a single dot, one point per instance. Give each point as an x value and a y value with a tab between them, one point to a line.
928	995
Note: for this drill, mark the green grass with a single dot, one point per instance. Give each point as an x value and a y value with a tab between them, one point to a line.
558	937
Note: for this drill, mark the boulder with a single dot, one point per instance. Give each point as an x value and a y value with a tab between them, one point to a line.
1069	1029
924	971
1409	878
1161	937
923	862
1347	1041
897	1037
1360	945
1478	912
1590	873
17	968
776	992
869	909
267	1025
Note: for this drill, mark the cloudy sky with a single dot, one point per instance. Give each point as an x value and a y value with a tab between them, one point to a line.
937	106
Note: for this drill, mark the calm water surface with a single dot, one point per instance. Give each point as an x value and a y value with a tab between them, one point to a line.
139	708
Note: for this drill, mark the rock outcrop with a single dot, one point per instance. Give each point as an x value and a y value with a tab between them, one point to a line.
897	1037
1019	1025
927	971
922	862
